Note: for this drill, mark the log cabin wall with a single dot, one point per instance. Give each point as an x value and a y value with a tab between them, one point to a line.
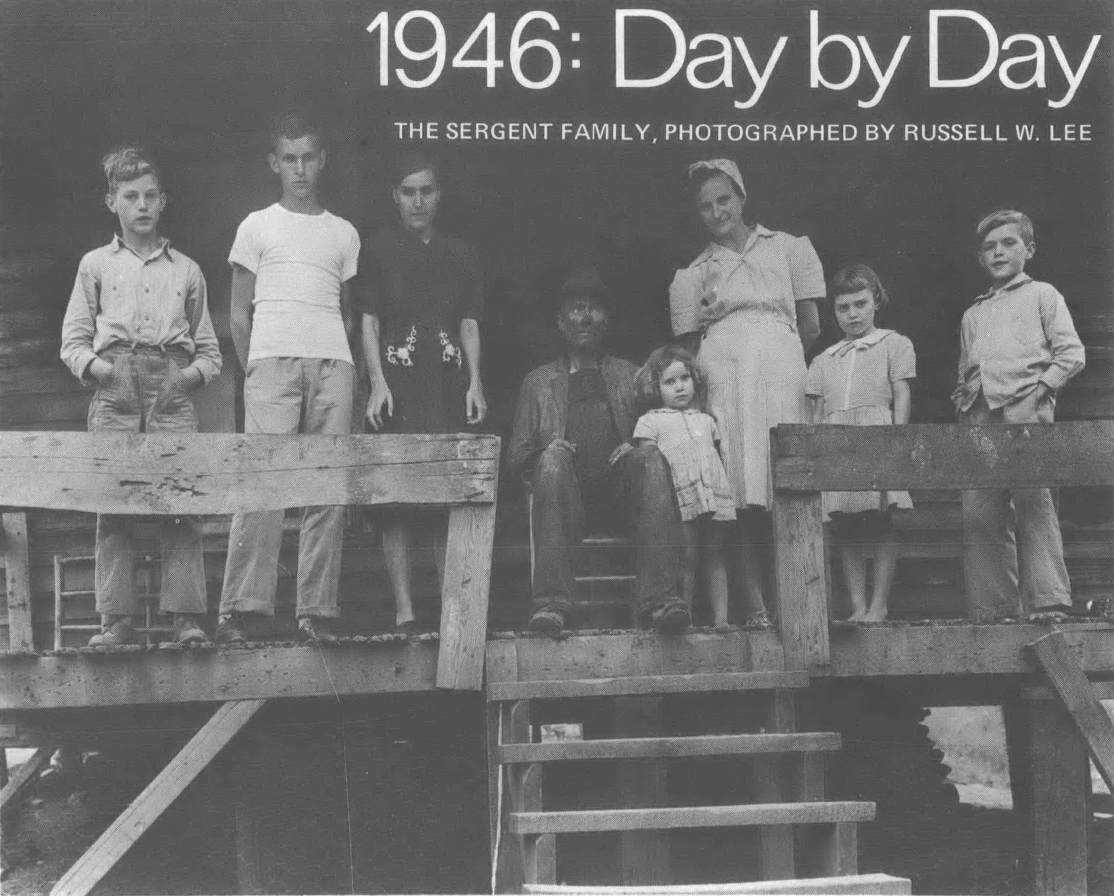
199	80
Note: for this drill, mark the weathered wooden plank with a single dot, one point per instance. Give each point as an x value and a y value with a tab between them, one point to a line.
672	747
946	649
777	854
1079	699
802	580
464	597
21	324
537	855
17	570
9	794
171	675
649	684
644	856
676	817
41	410
839	850
1058	777
859	885
28	351
224	473
39	379
1103	690
638	653
934	456
160	793
912	650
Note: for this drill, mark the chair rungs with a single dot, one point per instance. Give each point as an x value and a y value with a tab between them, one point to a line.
859	884
670	747
644	684
672	818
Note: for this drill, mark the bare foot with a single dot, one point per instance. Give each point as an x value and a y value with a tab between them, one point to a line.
857	615
873	615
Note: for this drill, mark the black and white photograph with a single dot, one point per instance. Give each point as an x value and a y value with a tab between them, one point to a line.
568	447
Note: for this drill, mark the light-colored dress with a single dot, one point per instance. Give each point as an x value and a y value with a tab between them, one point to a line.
752	357
687	439
855	379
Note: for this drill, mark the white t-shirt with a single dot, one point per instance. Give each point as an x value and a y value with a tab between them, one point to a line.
299	262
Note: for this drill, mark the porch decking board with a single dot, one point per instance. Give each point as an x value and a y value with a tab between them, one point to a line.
949	661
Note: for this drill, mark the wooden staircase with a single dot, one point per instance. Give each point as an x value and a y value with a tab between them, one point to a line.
799	832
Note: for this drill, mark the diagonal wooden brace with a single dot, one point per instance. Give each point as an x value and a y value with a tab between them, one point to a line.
167	786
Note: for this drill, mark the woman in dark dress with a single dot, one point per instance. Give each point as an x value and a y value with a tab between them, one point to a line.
422	298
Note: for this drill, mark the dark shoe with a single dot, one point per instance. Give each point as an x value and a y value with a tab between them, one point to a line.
230	629
316	629
116	633
547	622
672	619
409	627
187	630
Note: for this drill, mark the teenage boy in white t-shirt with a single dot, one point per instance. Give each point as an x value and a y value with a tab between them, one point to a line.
292	269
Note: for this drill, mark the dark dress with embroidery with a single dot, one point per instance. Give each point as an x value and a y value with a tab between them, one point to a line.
421	292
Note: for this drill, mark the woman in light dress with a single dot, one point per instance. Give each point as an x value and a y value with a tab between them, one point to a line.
752	295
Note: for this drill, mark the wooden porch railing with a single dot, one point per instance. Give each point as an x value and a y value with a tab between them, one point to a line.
223	473
808	460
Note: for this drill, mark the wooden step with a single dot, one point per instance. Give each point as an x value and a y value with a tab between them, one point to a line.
644	684
862	884
672	818
670	747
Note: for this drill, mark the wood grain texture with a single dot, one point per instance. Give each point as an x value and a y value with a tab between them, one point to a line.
649	684
633	654
689	817
954	649
9	794
858	885
43	411
167	786
538	855
802	580
464	598
225	473
672	747
777	853
1059	782
1069	682
644	856
137	677
935	456
17	571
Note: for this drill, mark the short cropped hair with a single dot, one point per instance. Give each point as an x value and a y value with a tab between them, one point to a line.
128	163
647	381
1007	216
292	126
854	277
414	162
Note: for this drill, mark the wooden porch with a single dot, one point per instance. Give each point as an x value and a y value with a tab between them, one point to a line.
1051	679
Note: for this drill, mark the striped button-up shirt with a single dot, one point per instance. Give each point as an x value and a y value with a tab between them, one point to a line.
158	301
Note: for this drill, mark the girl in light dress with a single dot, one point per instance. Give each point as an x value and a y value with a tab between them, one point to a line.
863	380
671	385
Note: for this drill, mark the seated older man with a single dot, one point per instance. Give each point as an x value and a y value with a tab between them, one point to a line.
571	443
